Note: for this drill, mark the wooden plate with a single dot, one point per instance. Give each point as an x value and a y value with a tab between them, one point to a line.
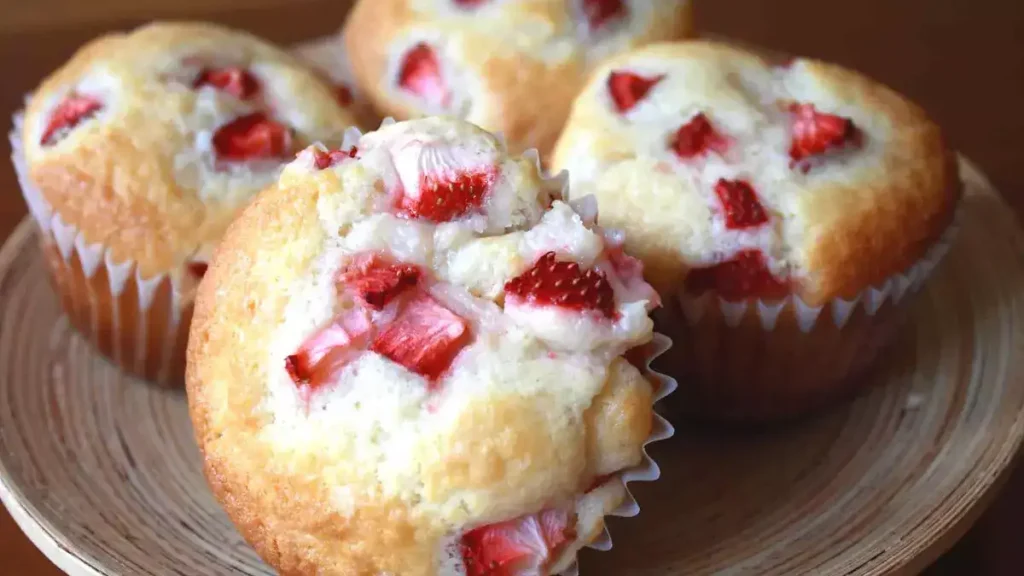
103	475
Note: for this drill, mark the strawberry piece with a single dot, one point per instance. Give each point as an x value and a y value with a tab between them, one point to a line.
71	112
553	283
739	201
815	132
601	12
449	195
343	94
237	82
745	276
327	351
469	3
252	137
420	74
627	89
323	160
197	269
378	281
529	544
425	337
696	137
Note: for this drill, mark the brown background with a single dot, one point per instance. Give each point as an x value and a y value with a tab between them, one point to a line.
962	60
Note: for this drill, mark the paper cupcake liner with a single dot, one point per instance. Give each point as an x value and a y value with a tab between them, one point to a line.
141	324
647	470
760	361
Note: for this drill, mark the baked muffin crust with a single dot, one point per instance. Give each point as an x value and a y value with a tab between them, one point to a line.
841	182
129	141
510	67
388	461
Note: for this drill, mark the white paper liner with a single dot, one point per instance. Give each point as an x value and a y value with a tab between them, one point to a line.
647	470
71	243
895	288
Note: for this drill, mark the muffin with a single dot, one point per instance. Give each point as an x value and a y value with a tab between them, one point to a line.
134	157
508	66
784	212
408	358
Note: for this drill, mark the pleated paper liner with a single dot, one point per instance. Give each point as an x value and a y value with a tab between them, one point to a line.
759	362
139	323
646	471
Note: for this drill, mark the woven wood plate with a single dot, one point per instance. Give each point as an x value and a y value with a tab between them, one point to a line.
103	474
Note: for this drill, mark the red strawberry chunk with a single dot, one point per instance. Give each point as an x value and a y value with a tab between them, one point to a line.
469	3
696	137
527	544
323	160
739	201
235	81
553	283
197	269
601	12
252	137
745	276
815	132
627	89
449	195
327	351
420	75
343	94
378	281
69	113
425	337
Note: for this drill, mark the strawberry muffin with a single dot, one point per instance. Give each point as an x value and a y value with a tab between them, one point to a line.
785	212
511	66
134	157
408	358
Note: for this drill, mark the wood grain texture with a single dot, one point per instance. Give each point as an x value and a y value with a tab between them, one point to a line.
103	474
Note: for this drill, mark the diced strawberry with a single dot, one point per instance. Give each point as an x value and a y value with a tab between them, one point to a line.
327	351
343	94
420	74
327	159
469	3
197	269
815	132
252	137
425	337
601	12
446	196
553	283
745	276
73	110
233	80
739	201
529	544
376	280
627	89
697	137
